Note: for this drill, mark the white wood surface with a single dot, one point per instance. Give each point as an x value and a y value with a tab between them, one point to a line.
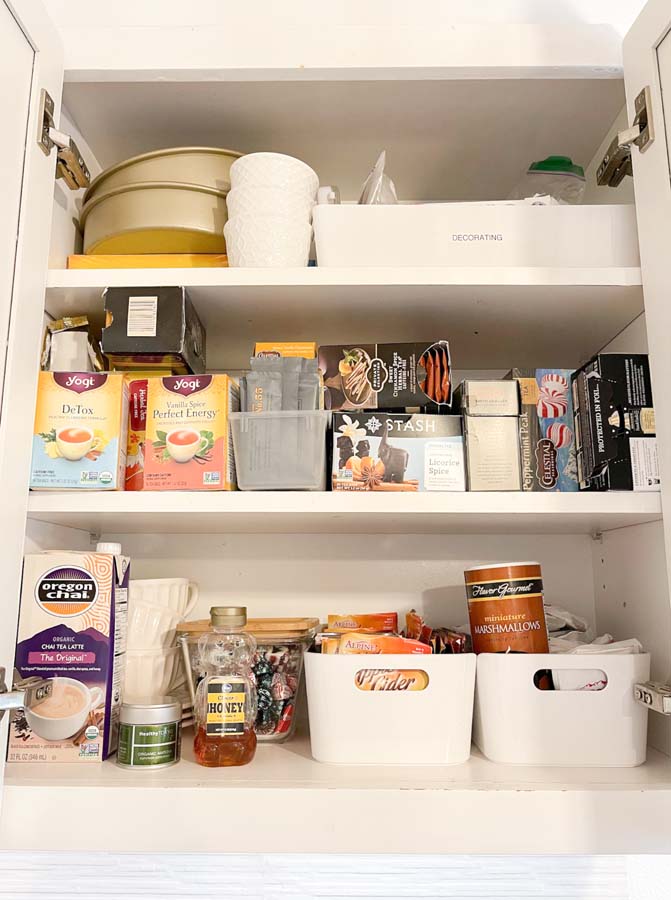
16	66
328	513
565	315
443	138
645	65
255	876
285	802
21	365
273	46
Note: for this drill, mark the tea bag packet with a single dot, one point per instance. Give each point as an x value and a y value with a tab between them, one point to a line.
263	391
309	384
291	369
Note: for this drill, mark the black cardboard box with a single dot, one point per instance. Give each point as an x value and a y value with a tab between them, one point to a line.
614	418
153	328
387	376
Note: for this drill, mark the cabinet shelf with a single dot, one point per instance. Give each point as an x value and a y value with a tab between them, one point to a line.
285	802
334	513
495	318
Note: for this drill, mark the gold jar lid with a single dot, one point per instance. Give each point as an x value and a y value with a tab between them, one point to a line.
228	616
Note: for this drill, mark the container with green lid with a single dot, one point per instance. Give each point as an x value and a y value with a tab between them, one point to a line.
557	177
150	733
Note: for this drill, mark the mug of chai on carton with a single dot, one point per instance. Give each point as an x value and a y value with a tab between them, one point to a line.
79	438
63	714
187	444
72	628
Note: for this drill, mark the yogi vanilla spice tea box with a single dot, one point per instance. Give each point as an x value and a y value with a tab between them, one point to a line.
80	434
188	444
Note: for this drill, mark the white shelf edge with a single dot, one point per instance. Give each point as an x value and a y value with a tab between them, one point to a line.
333	512
304	51
73	279
478	807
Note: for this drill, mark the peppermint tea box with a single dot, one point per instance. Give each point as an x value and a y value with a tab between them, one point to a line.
80	433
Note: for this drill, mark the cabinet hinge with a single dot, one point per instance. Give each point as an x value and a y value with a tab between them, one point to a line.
616	164
70	165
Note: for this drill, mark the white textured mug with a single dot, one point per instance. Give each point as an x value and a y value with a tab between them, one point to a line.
59	728
183	443
178	594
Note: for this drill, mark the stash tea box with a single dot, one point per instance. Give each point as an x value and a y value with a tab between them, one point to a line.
72	628
397	452
547	443
387	376
80	432
492	453
614	418
153	328
187	442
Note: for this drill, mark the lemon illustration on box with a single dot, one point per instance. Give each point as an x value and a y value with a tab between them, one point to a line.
79	438
188	444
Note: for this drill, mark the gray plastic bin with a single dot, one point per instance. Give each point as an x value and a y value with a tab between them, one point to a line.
280	451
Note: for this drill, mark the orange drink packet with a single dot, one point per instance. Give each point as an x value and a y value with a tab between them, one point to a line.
356	642
369	623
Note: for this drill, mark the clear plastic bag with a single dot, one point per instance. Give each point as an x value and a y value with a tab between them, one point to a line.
557	177
378	187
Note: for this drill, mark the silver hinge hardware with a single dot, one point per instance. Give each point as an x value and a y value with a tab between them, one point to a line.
616	164
26	692
70	165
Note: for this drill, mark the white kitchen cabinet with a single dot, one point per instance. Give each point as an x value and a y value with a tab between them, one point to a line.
457	112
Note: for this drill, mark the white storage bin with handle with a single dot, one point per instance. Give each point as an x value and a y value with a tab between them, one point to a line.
517	723
390	709
506	233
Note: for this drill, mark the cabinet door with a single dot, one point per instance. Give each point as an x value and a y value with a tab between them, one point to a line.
647	63
30	59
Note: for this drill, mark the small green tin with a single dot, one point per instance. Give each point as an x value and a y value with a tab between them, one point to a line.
150	734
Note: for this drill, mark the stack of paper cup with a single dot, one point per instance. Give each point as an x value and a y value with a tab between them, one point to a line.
270	211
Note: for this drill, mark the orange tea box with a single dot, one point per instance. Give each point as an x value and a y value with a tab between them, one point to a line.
137	424
371	622
306	349
80	434
188	445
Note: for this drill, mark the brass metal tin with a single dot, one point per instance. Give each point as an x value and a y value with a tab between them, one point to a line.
155	217
206	166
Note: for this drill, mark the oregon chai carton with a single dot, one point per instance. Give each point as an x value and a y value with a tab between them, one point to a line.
80	433
72	628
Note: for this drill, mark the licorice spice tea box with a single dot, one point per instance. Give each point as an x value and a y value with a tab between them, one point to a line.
187	439
80	432
376	451
72	629
387	376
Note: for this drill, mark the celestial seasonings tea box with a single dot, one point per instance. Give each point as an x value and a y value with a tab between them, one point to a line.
188	443
547	445
72	628
80	433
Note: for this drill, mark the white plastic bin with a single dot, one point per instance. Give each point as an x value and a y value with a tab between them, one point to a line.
355	726
517	723
475	234
280	451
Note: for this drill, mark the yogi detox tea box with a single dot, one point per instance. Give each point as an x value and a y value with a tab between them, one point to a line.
72	629
79	439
